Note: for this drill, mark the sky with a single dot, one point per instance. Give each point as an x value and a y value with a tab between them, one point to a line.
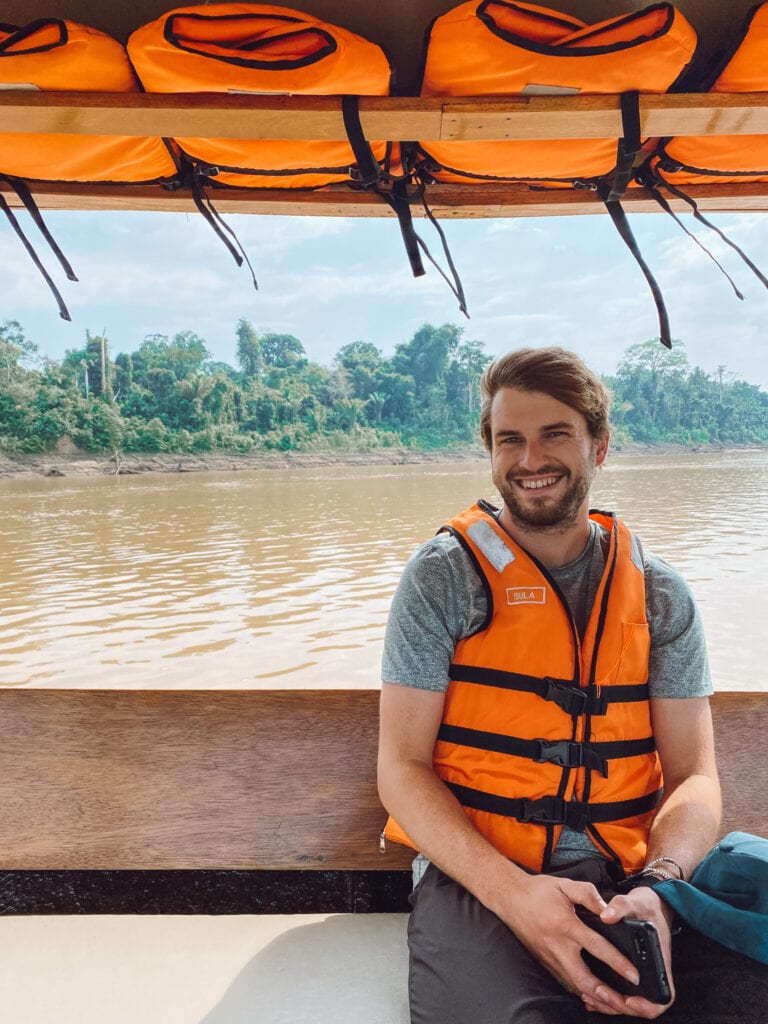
331	281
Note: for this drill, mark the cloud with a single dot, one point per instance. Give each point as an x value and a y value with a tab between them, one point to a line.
566	280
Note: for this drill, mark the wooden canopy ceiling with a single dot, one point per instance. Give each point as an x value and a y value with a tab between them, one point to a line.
398	26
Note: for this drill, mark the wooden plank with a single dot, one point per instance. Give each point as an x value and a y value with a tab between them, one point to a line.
277	779
212	115
238	116
599	117
741	724
446	201
143	779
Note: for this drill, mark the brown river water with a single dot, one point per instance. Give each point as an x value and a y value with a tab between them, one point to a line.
283	578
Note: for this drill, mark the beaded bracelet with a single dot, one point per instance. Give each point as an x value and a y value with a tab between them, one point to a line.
648	876
666	860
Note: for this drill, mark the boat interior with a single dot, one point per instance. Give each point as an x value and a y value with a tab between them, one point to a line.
185	857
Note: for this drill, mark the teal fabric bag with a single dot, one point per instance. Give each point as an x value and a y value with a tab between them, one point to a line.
727	897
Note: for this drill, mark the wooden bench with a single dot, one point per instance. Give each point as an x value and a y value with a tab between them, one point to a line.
276	780
169	803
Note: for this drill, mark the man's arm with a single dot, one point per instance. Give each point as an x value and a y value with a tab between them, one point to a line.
686	824
539	909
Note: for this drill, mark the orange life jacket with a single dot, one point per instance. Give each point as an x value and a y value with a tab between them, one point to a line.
496	47
697	159
260	48
541	728
54	54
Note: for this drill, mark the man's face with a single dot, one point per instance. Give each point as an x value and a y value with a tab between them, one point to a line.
543	458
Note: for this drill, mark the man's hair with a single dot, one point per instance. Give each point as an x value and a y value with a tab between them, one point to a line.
555	372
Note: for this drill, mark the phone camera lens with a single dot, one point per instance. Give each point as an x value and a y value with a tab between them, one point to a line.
640	947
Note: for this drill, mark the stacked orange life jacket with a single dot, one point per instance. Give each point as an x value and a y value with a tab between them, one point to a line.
698	159
495	47
55	54
498	47
266	49
260	48
701	159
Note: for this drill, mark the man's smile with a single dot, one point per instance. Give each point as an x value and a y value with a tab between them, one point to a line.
536	483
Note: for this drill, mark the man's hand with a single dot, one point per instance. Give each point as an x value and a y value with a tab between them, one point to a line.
645	905
540	910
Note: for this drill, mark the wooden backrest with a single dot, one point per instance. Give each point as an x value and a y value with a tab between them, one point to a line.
277	779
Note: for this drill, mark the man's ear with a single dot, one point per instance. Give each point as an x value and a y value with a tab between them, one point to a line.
602	449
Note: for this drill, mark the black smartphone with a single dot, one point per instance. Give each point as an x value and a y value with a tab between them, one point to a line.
639	942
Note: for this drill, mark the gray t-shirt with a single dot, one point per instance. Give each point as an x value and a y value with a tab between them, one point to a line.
440	600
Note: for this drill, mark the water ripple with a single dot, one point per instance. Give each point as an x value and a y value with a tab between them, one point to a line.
285	578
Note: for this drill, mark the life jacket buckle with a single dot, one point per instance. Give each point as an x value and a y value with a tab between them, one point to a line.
364	180
567	696
560	752
549	810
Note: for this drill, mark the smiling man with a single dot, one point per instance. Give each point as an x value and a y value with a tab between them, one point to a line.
546	740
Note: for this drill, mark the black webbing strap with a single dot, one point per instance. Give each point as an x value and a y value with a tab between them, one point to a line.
563	692
399	201
369	175
554	810
456	286
563	753
368	170
629	145
24	195
622	225
219	225
703	220
661	200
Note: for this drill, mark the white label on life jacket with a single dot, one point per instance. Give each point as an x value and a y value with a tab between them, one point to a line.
526	595
491	544
28	86
549	90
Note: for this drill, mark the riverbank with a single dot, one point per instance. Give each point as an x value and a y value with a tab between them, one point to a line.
77	464
88	464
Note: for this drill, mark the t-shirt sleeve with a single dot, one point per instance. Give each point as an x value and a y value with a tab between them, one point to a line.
438	600
678	664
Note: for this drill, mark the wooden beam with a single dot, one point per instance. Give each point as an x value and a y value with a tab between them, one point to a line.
212	115
445	201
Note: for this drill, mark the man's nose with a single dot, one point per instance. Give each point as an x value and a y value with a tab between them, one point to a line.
532	454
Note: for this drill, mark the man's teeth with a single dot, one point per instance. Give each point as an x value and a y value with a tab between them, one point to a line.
533	484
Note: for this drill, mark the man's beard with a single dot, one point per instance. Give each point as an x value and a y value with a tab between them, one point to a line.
545	515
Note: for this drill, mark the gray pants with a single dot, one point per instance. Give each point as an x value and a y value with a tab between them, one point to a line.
467	967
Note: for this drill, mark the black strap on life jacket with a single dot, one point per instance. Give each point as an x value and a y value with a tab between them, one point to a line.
612	191
554	810
21	190
629	145
622	225
563	753
398	193
653	187
563	692
193	178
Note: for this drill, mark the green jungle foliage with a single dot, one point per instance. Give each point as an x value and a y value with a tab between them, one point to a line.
169	396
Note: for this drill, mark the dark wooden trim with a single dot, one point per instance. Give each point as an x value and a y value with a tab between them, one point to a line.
446	201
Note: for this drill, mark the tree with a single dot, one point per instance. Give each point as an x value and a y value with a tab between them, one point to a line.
249	354
184	357
282	350
425	357
15	351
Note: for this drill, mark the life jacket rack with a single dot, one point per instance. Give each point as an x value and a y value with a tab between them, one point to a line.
393	118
